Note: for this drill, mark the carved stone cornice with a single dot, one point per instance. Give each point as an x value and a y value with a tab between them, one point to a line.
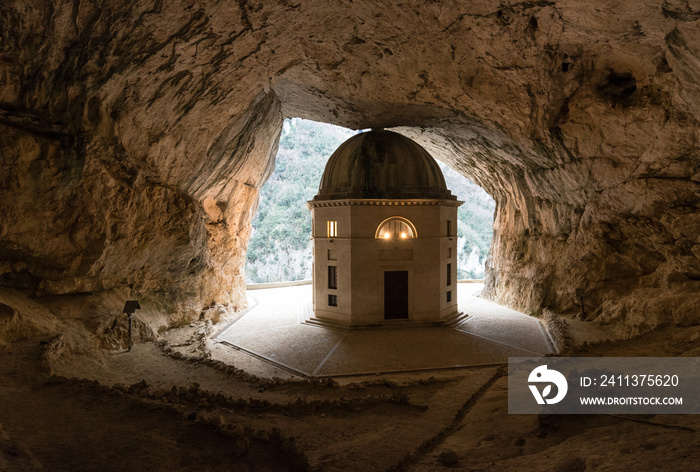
381	202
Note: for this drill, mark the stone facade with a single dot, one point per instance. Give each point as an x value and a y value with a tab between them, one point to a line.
362	259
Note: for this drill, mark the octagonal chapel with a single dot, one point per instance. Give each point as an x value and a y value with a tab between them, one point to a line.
384	236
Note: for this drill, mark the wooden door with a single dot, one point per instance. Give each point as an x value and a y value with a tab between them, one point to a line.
395	295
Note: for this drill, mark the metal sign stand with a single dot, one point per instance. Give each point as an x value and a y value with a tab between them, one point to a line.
131	322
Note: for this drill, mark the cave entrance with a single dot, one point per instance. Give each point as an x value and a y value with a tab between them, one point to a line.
280	248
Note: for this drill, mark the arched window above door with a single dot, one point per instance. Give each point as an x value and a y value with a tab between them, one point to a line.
396	227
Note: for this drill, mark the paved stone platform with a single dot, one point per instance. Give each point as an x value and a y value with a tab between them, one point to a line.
272	330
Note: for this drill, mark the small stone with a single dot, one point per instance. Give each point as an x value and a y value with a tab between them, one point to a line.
217	421
19	266
138	387
448	457
241	446
232	430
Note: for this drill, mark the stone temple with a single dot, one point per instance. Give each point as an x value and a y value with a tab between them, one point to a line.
385	236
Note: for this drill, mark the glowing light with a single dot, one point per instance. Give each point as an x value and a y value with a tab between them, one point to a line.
396	228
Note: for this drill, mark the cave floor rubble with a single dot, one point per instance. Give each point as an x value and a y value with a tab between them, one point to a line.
273	330
151	408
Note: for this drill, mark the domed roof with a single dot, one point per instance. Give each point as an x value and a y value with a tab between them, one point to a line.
385	165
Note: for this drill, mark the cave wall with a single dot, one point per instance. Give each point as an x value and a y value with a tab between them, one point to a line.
135	137
121	165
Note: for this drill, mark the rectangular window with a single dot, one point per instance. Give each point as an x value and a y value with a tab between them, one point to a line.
332	227
332	277
332	300
449	274
449	296
449	228
449	252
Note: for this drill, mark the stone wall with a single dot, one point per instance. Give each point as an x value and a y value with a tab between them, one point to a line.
135	137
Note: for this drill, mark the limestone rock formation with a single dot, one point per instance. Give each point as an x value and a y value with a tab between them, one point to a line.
134	137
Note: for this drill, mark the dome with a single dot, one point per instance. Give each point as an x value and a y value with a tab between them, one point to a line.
383	165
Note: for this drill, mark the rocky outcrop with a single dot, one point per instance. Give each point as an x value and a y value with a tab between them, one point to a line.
135	137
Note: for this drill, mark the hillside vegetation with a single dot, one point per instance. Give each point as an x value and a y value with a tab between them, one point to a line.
280	246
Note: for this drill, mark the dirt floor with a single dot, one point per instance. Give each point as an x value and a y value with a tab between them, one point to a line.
185	403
